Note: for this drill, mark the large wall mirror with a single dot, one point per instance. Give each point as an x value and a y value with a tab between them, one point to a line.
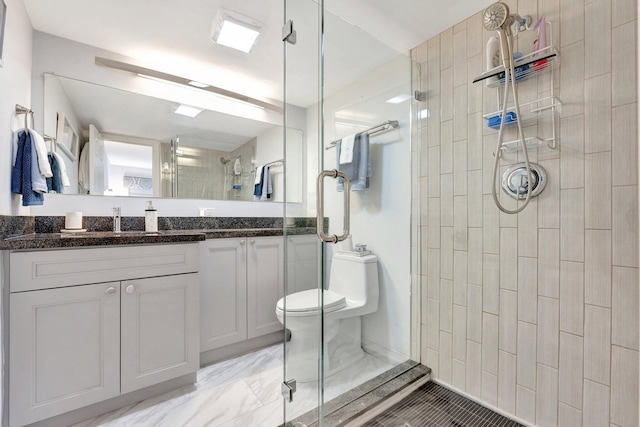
136	145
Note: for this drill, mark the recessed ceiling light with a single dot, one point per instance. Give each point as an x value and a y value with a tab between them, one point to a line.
398	99
186	110
235	30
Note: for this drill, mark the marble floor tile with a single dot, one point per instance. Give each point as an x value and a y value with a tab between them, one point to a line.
244	391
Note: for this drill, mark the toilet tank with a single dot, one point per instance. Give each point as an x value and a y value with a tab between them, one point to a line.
355	277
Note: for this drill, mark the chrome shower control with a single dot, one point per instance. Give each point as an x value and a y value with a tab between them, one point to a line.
515	181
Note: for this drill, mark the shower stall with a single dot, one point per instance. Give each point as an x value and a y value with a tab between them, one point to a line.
366	94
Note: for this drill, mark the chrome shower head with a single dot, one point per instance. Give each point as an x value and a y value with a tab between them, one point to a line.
496	17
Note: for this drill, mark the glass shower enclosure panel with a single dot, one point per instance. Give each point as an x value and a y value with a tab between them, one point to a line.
360	92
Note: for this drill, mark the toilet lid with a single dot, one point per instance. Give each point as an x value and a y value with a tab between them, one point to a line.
307	301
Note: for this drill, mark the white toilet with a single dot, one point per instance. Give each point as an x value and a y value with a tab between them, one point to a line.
353	292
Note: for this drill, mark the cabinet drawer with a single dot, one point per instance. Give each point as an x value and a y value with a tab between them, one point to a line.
50	269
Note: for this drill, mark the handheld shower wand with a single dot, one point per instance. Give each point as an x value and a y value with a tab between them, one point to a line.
497	18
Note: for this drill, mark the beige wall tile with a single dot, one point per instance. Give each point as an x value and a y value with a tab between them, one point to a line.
460	167
572	78
624	386
446	253
432	362
433	219
474	313
474	198
625	226
549	262
597	38
474	256
547	396
597	344
433	172
509	258
490	388
508	321
460	223
460	113
596	404
526	404
568	416
446	200
446	147
623	11
527	350
474	95
572	152
624	309
549	200
491	283
446	48
624	144
624	64
433	273
571	21
474	368
507	382
446	94
597	191
571	368
491	226
446	306
490	343
433	324
528	232
597	113
459	374
474	35
460	57
548	331
460	278
572	225
597	268
459	337
444	354
528	289
572	297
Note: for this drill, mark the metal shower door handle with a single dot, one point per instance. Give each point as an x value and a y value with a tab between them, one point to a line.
333	173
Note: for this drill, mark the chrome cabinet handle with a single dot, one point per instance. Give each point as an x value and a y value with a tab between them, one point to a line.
242	242
253	241
110	290
130	289
320	205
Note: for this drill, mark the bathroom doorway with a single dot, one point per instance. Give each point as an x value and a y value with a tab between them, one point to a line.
337	337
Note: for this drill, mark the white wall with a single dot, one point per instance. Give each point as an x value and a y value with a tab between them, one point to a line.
76	60
380	216
15	87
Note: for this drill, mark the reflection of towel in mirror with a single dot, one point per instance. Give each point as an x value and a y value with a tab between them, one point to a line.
359	170
257	187
64	178
267	187
83	170
54	183
22	174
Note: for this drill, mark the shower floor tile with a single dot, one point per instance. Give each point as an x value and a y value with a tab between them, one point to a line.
432	405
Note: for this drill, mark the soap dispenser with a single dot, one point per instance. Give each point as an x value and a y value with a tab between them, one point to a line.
151	218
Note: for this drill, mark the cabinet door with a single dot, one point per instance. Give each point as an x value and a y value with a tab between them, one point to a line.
64	350
302	263
160	335
223	292
265	284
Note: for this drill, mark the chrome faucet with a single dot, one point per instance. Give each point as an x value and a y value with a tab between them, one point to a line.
116	220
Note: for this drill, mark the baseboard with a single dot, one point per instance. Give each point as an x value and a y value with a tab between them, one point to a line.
238	349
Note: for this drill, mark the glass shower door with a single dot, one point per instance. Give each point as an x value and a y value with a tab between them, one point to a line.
340	82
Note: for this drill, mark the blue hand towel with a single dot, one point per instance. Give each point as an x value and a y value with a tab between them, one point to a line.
54	183
22	172
359	170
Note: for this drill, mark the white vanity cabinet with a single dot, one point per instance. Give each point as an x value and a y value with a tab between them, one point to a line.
240	283
73	343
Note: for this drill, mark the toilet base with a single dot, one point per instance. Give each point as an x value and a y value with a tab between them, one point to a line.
342	348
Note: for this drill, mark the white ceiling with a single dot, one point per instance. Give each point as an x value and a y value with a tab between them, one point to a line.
173	36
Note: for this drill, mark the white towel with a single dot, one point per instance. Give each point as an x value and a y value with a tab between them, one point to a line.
258	175
267	188
83	170
64	178
346	152
41	151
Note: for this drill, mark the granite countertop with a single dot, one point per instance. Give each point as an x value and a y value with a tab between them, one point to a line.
107	238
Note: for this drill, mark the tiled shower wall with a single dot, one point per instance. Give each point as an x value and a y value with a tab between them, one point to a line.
536	313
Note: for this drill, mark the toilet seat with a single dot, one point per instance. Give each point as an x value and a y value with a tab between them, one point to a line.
307	303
